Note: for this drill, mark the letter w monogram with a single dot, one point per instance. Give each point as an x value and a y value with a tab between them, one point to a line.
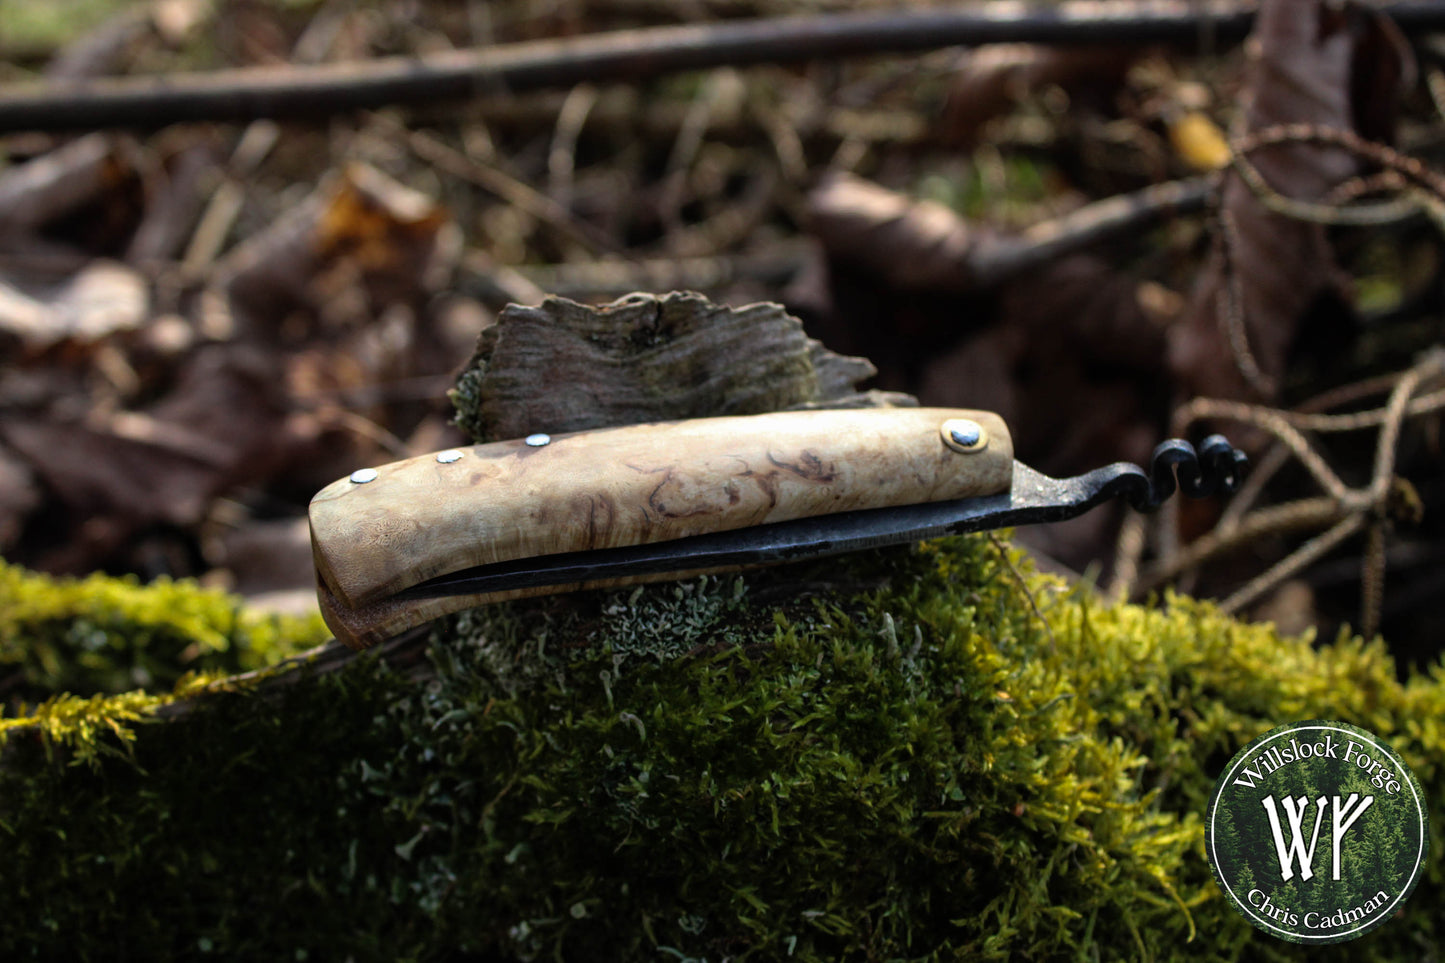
1294	810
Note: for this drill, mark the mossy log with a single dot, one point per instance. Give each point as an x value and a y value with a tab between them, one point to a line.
925	754
928	753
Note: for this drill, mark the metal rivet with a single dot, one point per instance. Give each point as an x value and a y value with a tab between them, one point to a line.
964	435
363	475
538	440
449	456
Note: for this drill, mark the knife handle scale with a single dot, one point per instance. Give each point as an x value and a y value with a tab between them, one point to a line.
413	520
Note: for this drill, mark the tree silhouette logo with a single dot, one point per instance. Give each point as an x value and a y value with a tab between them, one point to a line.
1317	832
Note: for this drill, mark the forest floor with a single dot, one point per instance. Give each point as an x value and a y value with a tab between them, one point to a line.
204	321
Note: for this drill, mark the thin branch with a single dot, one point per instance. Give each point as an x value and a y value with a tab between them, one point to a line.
1253	488
1276	423
1411	169
1372	580
1230	308
1003	259
1313	550
1348	511
562	157
1307	514
250	93
508	188
1334	212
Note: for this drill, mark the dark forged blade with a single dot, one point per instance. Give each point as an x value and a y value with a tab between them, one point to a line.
1034	498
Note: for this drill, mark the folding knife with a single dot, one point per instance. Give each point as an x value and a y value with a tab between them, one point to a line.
404	543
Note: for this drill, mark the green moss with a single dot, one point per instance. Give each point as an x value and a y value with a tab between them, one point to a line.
104	634
85	658
925	771
25	25
466	399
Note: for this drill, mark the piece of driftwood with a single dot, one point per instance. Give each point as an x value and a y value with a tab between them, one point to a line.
563	366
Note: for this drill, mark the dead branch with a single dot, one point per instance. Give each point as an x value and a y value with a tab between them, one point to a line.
922	245
1050	240
251	93
405	654
1342	511
1411	169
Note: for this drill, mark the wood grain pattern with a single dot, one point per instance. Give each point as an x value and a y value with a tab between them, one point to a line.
633	485
564	366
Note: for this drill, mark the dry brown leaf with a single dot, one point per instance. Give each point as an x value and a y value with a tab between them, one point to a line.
177	192
223	424
905	243
1071	362
266	556
60	183
101	300
360	243
1308	60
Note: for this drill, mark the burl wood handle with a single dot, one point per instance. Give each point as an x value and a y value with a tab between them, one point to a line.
390	528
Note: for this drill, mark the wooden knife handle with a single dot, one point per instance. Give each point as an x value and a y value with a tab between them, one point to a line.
637	484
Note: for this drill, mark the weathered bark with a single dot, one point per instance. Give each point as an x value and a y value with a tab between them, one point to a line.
564	366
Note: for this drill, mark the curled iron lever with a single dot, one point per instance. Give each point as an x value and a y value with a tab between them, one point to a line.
1217	466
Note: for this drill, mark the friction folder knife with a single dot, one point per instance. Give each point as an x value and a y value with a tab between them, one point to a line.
401	544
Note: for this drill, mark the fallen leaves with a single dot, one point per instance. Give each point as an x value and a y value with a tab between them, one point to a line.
102	299
1250	307
204	325
143	395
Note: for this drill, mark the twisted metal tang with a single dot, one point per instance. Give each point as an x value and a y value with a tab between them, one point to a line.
1034	498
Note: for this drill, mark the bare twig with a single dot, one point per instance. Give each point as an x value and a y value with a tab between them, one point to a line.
1372	580
1276	423
1254	485
255	142
511	190
1049	240
1231	308
723	88
215	223
1308	553
1347	511
1411	169
562	158
251	93
858	221
1306	514
1335	211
